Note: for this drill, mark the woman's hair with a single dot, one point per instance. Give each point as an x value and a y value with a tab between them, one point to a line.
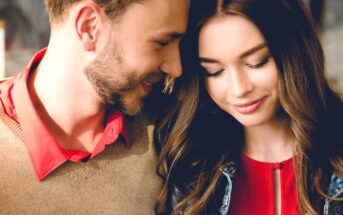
195	139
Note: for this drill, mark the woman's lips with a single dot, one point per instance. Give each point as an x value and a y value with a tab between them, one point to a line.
248	107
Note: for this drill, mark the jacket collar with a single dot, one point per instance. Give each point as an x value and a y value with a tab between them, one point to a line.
336	186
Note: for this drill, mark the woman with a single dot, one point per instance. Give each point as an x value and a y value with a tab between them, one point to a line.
267	135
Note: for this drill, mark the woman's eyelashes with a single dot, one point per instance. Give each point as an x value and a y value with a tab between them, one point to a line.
214	73
217	72
260	64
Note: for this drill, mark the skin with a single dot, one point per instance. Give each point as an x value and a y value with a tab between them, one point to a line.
242	79
150	51
94	64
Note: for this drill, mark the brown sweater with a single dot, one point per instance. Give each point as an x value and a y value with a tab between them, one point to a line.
117	181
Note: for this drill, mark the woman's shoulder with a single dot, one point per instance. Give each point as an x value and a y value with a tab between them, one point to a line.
332	206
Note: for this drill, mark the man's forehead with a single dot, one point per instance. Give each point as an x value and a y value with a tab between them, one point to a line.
165	18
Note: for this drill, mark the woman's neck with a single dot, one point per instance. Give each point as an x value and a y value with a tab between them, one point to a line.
270	142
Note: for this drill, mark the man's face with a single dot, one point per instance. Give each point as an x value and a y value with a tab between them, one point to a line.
142	48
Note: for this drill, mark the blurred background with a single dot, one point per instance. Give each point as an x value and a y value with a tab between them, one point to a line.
24	29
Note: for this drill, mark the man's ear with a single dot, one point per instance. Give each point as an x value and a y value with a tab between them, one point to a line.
87	25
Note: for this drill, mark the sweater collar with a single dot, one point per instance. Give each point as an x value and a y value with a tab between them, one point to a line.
45	152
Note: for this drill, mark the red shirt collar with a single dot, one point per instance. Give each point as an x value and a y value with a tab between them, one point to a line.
45	153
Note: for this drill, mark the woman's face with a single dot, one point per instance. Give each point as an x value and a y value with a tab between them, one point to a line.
240	74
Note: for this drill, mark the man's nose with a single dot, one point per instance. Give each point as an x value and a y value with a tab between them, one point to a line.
172	61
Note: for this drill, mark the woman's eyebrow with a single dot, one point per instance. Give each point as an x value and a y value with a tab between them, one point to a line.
207	60
243	55
253	50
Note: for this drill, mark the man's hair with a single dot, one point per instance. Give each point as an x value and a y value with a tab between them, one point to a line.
113	8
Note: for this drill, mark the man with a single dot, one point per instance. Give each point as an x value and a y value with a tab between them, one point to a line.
59	114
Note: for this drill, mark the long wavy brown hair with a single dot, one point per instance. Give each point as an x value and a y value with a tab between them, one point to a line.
195	139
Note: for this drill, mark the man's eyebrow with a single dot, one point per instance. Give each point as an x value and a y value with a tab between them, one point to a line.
171	34
253	50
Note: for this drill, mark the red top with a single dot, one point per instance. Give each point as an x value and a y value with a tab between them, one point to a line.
253	188
45	153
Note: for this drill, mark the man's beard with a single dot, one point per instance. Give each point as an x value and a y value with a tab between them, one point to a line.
114	86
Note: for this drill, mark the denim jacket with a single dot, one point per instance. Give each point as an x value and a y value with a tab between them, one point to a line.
330	207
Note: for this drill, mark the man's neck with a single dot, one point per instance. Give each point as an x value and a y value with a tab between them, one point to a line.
66	102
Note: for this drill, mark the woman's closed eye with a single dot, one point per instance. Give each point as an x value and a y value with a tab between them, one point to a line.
260	64
212	72
216	71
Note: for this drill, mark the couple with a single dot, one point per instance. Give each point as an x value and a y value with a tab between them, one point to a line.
252	126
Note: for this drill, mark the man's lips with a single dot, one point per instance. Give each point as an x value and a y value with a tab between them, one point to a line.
148	85
248	107
147	89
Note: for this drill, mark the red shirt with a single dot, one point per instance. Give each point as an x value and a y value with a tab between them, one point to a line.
45	152
253	188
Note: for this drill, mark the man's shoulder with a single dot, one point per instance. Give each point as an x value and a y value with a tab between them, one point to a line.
139	125
7	80
5	85
8	126
10	132
142	119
